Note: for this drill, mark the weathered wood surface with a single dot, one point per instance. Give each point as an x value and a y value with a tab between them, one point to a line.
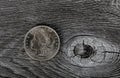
68	18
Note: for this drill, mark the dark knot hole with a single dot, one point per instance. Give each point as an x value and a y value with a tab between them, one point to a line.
84	51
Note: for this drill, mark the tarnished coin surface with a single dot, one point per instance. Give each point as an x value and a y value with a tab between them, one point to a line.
41	43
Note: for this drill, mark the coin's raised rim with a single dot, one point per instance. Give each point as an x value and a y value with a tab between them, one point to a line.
57	50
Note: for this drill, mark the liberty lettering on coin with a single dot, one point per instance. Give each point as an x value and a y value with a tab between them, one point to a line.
41	43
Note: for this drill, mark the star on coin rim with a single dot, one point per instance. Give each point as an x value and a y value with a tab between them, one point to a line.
54	54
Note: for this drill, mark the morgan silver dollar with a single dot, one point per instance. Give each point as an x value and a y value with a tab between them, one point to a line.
41	43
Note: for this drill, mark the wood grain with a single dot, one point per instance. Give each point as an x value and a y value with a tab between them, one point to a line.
68	18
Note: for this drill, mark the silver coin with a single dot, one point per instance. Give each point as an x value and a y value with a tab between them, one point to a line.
41	43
